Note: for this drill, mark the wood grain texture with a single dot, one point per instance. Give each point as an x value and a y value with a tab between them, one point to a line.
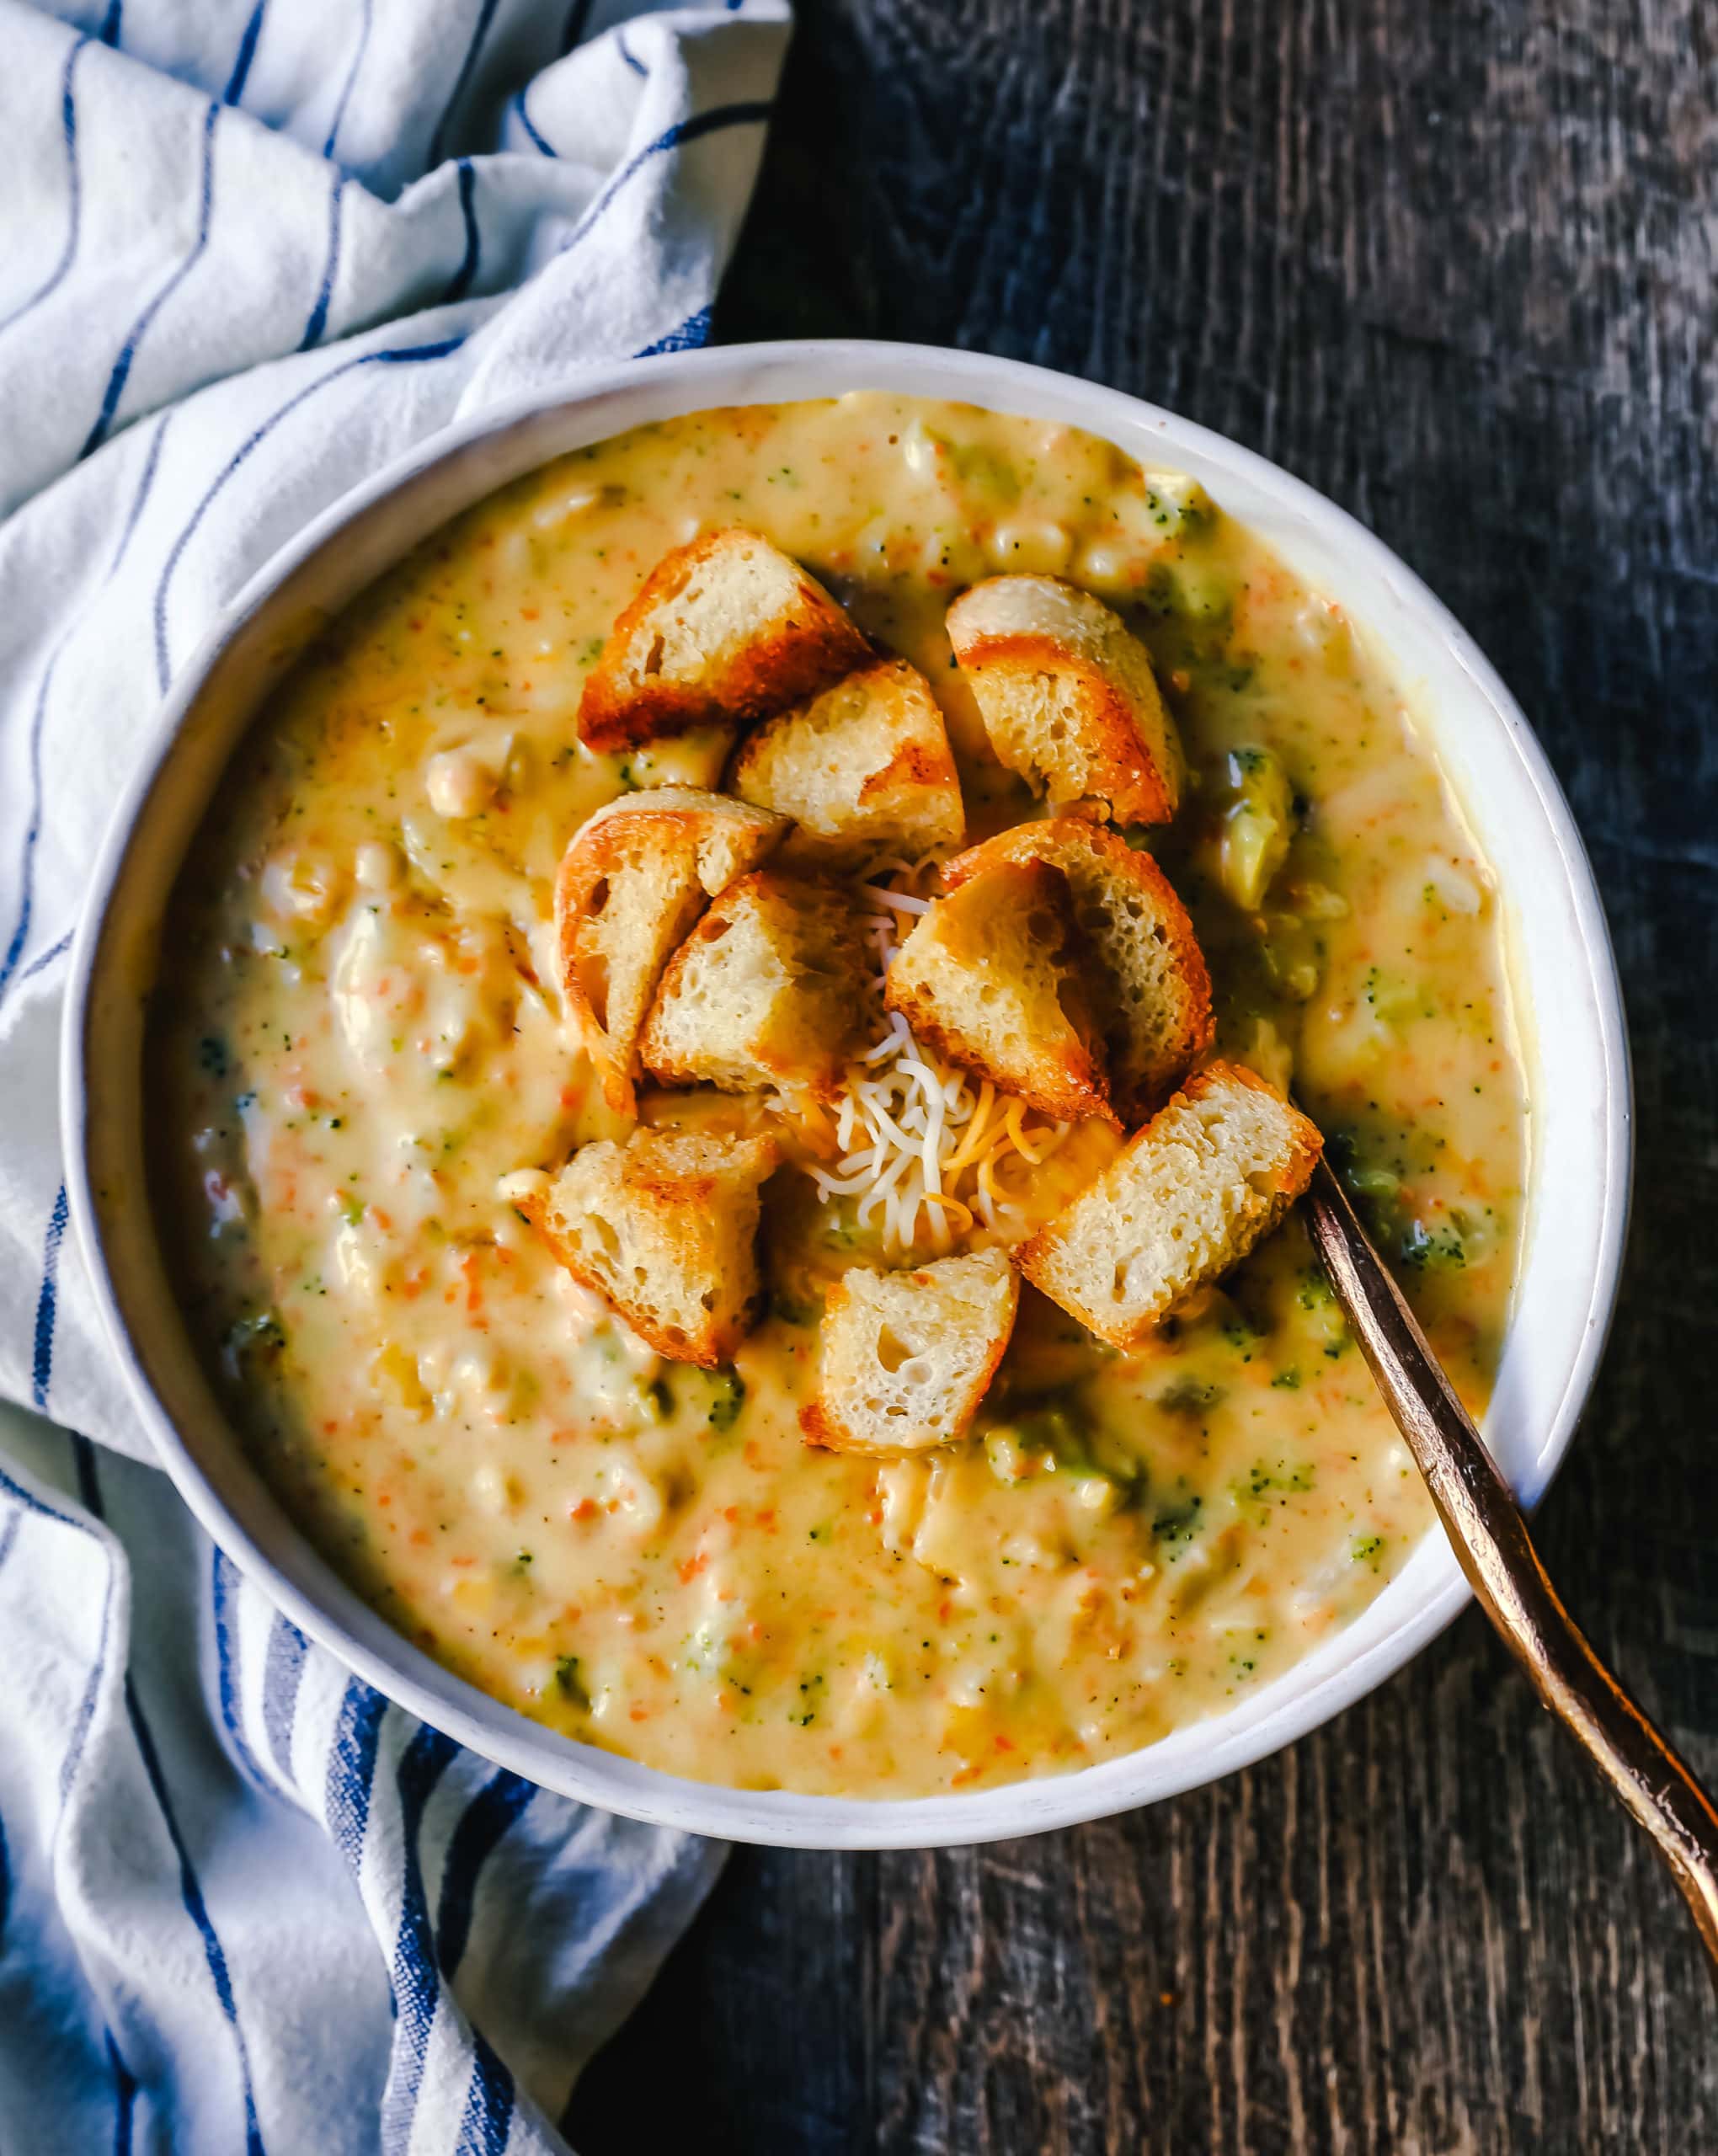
1454	265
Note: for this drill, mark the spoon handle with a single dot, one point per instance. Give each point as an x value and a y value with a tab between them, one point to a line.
1484	1523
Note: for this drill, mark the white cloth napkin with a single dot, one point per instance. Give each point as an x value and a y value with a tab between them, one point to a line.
250	250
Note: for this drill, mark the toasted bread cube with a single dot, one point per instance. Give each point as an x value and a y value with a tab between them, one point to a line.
996	977
907	1357
631	885
725	628
664	1228
864	767
1156	1006
1068	696
1189	1196
768	991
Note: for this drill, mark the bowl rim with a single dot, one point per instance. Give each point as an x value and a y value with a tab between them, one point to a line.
389	1663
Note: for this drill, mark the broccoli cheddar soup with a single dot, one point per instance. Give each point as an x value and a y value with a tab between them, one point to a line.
797	1281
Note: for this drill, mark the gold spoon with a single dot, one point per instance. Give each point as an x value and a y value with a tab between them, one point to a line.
1484	1524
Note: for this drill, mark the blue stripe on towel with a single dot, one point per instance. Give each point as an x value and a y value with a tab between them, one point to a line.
417	1989
488	2111
547	148
395	356
8	1533
351	77
32	830
692	336
73	1755
74	192
191	1894
140	328
352	1770
109	33
319	313
132	514
460	282
752	113
223	1585
54	951
631	57
467	68
20	934
28	1501
124	2099
283	1673
501	1800
246	52
42	1368
190	1889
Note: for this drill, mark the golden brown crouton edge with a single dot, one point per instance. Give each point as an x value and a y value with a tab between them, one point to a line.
1142	794
763	679
1027	841
1308	1144
820	1428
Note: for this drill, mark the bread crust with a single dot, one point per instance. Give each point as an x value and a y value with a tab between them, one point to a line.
780	662
911	799
1040	1257
1070	1095
817	933
820	1420
698	1196
694	845
1011	634
1067	1082
1141	1074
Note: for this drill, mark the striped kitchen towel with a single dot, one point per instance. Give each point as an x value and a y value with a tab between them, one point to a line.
252	248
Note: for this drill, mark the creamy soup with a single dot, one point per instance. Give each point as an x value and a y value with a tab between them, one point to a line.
359	1039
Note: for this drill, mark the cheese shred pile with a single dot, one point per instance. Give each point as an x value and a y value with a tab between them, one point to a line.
928	1154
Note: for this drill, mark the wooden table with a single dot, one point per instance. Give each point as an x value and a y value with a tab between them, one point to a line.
1453	263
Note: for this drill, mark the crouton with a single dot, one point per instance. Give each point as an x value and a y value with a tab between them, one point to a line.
864	767
1190	1195
768	990
997	977
907	1356
1068	696
1155	1008
727	628
664	1229
629	889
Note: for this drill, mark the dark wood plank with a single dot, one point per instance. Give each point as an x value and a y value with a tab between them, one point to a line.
1455	265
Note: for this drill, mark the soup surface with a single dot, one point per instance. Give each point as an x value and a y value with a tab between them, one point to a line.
357	1039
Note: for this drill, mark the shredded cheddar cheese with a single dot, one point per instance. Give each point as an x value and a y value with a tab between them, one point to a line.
920	1147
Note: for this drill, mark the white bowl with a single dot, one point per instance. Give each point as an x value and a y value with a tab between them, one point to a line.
1564	978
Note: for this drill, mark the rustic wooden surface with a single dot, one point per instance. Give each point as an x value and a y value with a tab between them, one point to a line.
1454	265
